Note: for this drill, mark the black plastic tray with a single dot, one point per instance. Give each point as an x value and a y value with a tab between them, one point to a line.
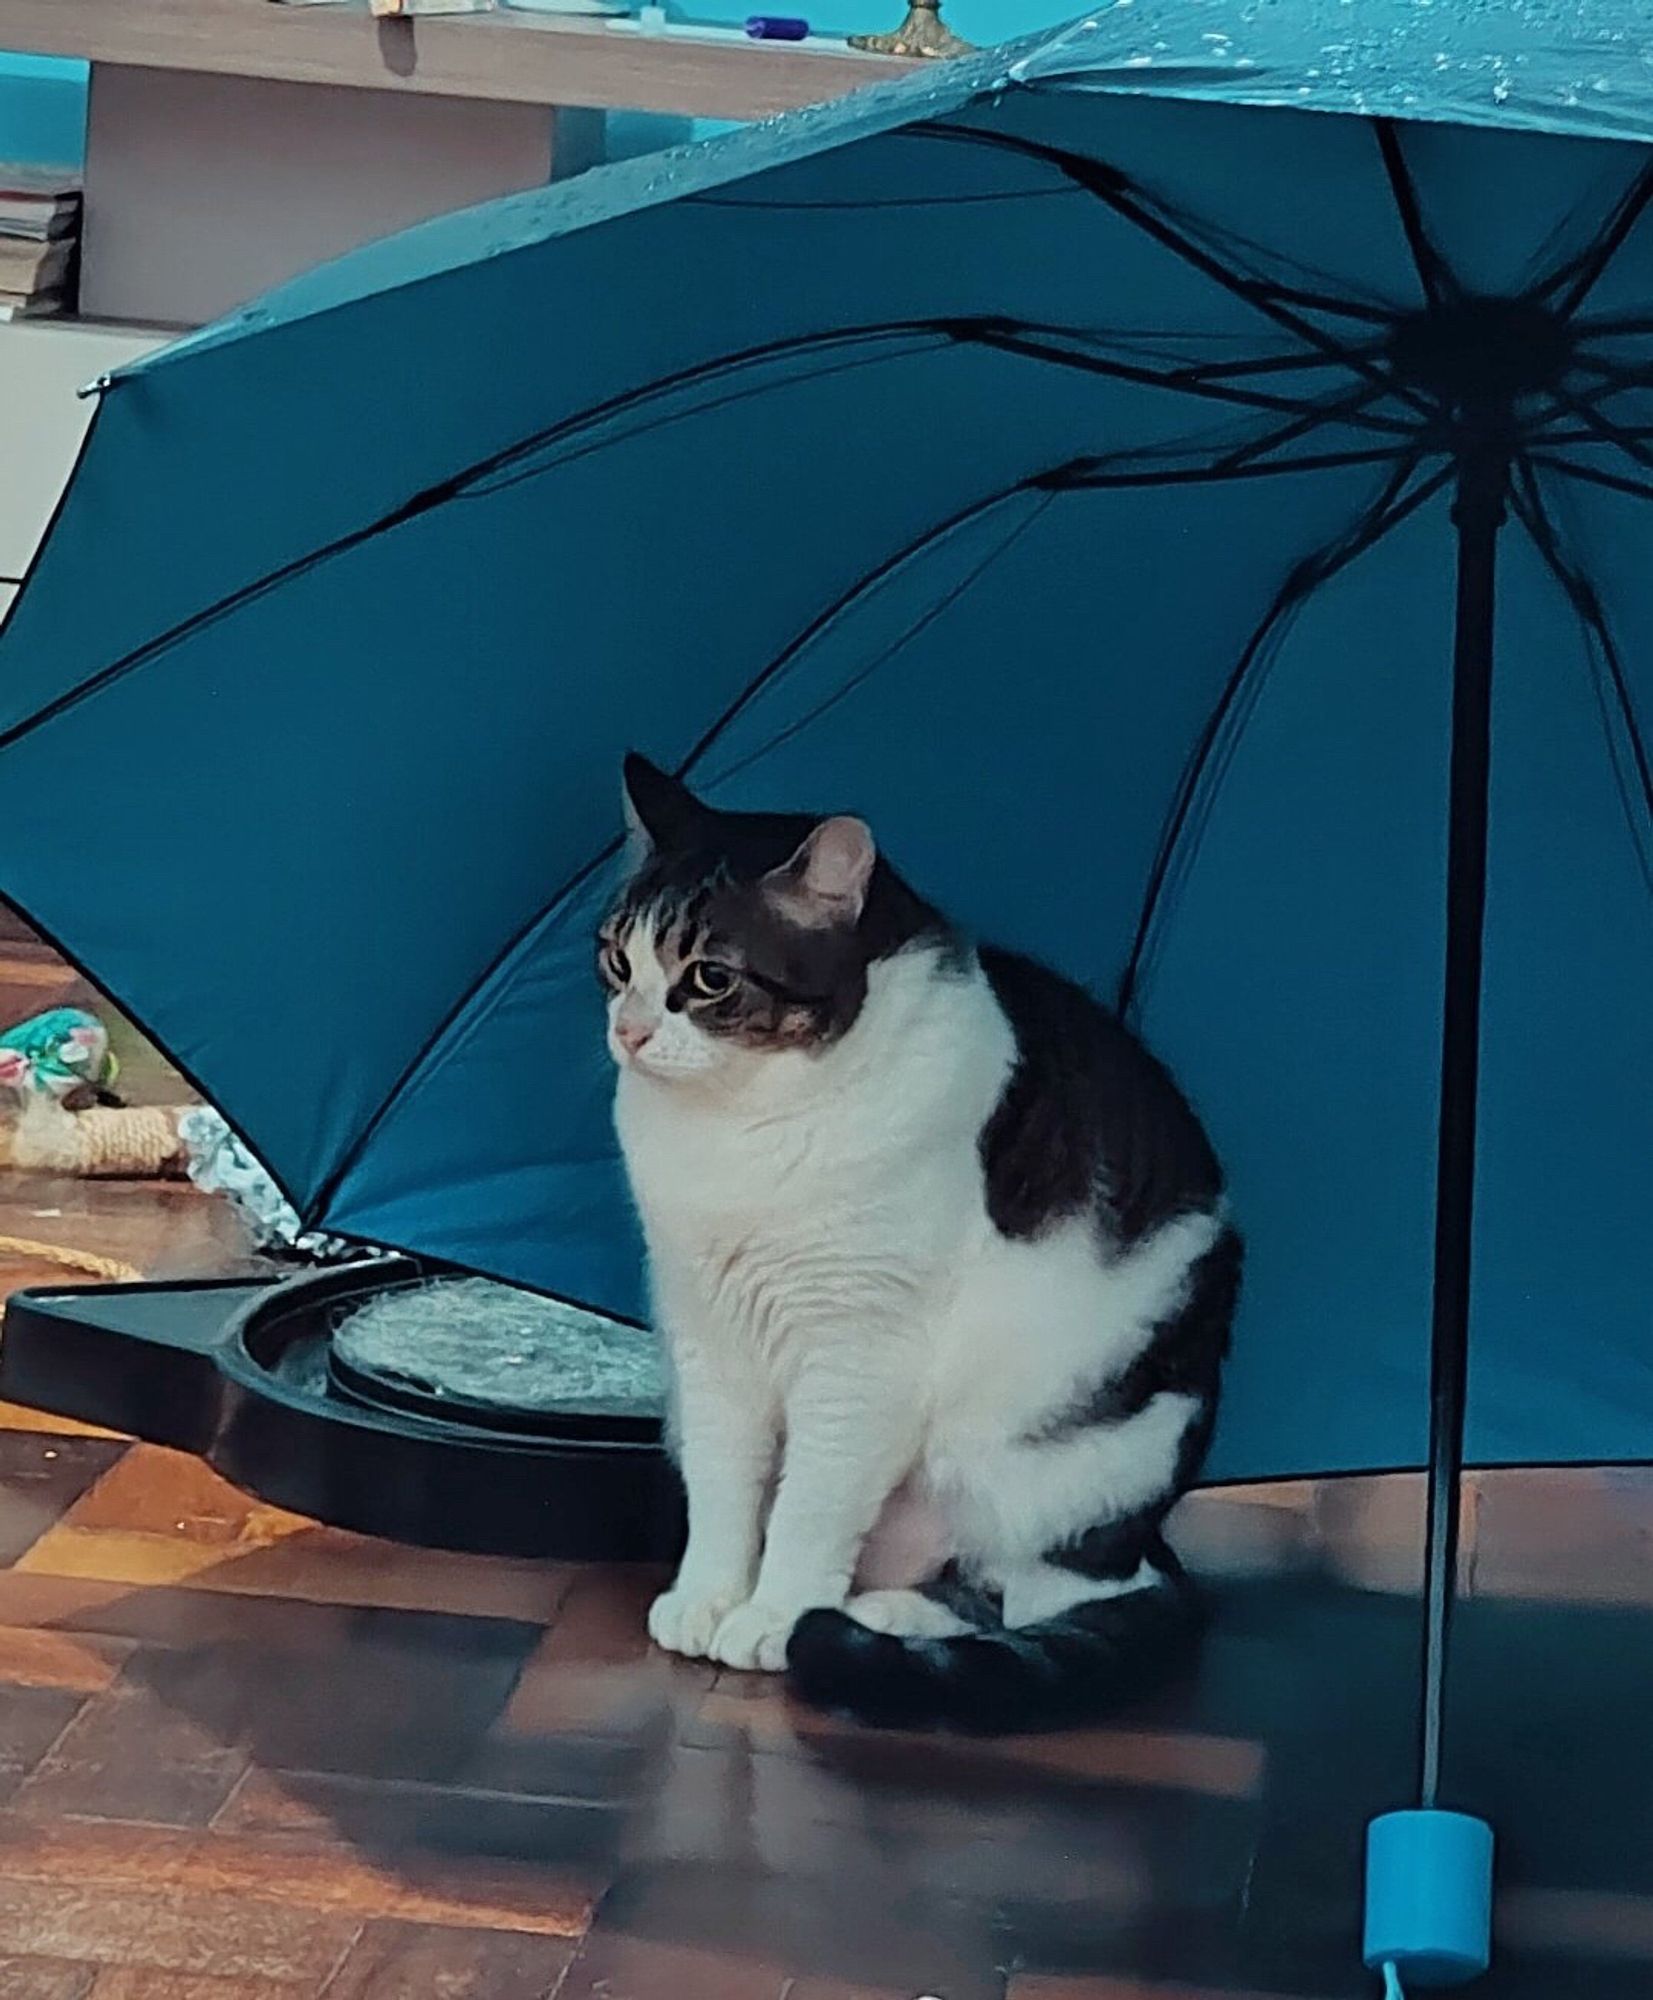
236	1374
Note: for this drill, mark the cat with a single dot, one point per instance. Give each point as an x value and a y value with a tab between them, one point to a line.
941	1259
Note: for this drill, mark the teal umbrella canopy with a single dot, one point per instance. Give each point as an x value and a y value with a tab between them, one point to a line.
1108	464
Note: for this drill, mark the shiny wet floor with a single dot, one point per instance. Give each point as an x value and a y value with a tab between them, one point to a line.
244	1757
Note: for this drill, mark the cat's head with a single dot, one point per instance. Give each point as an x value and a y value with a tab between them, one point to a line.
739	935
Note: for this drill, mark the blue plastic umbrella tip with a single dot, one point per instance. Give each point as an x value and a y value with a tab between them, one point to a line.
1429	1896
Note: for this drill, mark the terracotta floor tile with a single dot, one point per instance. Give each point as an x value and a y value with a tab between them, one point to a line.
1222	1767
330	1566
142	1982
596	1673
457	1857
152	1491
14	1417
433	1871
755	1927
110	1555
31	1721
328	1805
132	1756
614	1967
218	1935
756	1711
1064	1986
41	1478
392	1694
833	1989
44	1979
161	1617
397	1961
603	1619
847	1835
302	1638
45	1659
161	1517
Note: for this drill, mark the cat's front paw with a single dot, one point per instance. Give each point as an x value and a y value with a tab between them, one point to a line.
753	1637
686	1621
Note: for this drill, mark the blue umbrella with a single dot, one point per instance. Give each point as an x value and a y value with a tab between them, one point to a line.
1185	480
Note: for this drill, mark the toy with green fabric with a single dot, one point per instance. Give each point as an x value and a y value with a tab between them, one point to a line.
63	1054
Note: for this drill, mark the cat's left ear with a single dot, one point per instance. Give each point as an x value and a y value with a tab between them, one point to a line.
825	882
660	810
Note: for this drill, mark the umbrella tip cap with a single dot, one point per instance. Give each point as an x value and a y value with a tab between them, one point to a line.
1429	1896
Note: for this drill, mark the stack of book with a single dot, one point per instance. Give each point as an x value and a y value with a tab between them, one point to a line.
39	239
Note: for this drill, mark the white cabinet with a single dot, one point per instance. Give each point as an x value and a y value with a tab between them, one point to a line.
42	420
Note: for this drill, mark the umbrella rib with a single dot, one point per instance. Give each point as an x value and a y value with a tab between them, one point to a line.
1025	343
1434	278
847	599
1341	410
532	466
1581	274
1097	179
1117	193
1260	296
1527	499
939	609
455	487
1391	507
1595	475
316	1211
1072	476
1048	481
1325	302
1066	480
1269	364
946	330
1615	375
1641	433
1089	477
1068	477
1603	427
1613	329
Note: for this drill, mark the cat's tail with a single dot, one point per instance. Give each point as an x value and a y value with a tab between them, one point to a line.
1076	1668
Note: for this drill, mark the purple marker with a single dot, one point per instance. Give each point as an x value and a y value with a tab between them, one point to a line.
776	28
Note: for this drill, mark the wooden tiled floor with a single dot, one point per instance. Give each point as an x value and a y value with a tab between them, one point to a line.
247	1757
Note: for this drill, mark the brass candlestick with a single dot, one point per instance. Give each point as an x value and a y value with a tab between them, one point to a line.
921	34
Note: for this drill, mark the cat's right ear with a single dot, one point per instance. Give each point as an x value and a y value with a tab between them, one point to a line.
660	811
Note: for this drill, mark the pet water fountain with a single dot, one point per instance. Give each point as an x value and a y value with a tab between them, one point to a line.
386	1397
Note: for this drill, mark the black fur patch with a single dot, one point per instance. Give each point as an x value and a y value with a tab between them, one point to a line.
1081	1667
1088	1120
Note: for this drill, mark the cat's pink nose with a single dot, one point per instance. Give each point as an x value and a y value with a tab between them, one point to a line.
633	1036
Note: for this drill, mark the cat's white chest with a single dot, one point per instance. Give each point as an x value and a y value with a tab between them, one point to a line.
843	1189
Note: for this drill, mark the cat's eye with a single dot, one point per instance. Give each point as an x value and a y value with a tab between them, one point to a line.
616	965
710	980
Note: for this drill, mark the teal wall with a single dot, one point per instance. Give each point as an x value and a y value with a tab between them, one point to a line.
42	109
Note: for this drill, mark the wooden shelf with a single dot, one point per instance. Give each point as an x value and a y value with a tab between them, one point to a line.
505	57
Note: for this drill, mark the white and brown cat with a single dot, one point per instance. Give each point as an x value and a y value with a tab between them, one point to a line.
941	1259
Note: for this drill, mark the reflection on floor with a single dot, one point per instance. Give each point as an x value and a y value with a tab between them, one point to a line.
244	1757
